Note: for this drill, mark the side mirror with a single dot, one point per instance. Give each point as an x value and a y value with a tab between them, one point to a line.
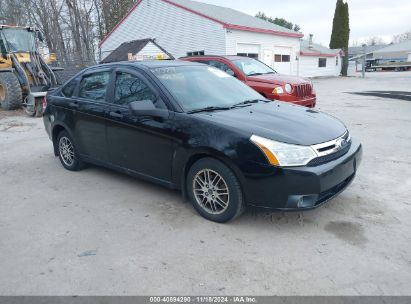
147	108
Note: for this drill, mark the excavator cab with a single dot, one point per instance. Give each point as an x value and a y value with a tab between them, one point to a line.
25	77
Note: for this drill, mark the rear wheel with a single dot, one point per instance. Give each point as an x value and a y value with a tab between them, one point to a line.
215	191
11	96
67	152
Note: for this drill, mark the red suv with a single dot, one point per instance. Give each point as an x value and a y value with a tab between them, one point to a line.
263	79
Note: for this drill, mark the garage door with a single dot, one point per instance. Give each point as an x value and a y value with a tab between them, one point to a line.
282	60
249	50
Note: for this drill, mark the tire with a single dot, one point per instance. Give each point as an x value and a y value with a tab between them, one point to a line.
67	152
203	181
11	96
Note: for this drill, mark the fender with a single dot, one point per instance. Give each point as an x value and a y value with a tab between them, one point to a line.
184	159
59	125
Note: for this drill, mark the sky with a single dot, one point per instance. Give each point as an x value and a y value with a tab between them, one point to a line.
368	18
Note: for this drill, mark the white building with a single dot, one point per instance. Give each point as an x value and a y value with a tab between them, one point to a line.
319	61
185	27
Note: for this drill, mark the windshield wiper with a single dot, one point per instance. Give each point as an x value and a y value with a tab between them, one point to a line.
209	109
255	74
249	101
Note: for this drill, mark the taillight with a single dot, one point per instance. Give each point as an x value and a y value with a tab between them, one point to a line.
44	103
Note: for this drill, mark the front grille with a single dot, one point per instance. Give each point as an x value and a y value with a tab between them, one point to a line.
330	157
332	150
303	90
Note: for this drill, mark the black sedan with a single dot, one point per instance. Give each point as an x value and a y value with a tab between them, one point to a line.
192	127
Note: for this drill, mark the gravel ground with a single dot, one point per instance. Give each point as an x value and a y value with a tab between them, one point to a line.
97	232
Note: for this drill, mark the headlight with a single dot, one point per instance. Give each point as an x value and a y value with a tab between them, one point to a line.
278	90
282	154
288	88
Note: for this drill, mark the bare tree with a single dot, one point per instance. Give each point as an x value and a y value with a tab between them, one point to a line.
402	37
374	41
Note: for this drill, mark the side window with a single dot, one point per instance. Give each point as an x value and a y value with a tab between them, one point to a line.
130	88
94	86
69	88
222	66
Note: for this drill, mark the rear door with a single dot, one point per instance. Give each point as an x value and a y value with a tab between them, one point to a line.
91	112
140	143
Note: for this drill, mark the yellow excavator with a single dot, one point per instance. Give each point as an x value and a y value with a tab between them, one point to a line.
25	77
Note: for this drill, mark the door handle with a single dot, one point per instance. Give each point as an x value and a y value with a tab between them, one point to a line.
73	104
116	115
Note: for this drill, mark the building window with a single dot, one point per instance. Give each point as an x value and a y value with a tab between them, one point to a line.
196	53
250	55
281	58
322	62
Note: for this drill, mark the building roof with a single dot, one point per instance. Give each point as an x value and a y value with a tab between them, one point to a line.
404	46
229	18
133	47
317	50
358	50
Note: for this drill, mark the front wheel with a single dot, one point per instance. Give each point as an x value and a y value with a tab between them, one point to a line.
67	152
215	191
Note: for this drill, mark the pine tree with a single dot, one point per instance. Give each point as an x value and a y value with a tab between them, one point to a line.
341	32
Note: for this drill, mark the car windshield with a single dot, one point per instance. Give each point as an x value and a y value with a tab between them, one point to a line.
19	40
252	67
201	87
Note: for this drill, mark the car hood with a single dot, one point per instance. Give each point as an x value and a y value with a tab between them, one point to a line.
282	122
278	79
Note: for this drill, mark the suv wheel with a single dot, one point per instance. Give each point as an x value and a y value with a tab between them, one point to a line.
215	191
68	153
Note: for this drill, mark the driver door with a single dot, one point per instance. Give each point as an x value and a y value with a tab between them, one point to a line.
140	143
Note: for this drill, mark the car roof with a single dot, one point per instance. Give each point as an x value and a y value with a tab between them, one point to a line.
150	64
228	57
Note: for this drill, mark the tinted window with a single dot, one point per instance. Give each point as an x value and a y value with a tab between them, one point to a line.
221	65
130	88
94	86
69	88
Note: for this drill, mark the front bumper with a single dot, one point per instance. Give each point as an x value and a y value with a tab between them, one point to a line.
310	101
300	188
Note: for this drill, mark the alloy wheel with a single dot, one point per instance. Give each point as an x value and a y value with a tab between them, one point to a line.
211	191
66	150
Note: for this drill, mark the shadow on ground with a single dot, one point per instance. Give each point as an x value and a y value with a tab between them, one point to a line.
386	94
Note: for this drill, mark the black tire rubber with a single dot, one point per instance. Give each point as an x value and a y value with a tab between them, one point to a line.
236	205
13	96
77	163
